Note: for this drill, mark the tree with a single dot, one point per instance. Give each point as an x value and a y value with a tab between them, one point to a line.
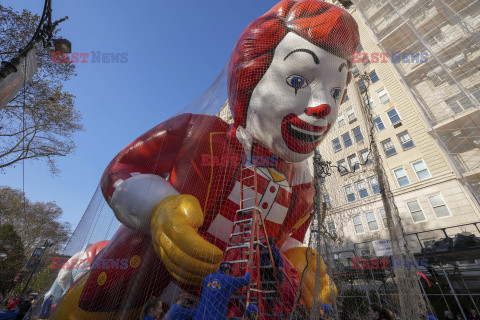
11	244
44	279
34	222
41	120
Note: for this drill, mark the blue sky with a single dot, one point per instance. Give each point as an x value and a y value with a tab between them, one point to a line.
175	51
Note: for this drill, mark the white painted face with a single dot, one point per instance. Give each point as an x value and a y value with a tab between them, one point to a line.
295	103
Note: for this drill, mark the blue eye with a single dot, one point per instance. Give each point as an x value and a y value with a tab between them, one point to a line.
296	82
335	93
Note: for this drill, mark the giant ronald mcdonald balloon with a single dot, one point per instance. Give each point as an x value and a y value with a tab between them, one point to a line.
176	188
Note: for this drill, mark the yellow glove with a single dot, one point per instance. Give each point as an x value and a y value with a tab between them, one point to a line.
328	290
186	255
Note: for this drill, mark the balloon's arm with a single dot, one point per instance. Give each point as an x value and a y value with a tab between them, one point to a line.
305	260
154	152
137	178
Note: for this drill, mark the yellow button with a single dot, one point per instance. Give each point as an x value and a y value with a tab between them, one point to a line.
102	278
135	261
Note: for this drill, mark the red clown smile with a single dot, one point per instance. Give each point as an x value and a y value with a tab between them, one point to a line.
301	137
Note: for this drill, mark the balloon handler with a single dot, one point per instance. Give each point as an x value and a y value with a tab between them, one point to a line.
175	189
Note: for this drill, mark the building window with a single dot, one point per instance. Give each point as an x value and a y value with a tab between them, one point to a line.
353	162
379	126
393	115
336	144
365	60
369	102
357	224
371	221
365	157
383	215
428	243
374	185
475	93
355	71
351	115
341	121
373	76
406	140
439	206
365	252
326	199
437	76
347	141
389	148
361	86
416	211
322	179
421	170
342	167
401	176
455	105
331	229
357	134
362	189
383	96
350	193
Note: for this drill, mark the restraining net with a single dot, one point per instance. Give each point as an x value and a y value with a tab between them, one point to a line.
176	190
444	85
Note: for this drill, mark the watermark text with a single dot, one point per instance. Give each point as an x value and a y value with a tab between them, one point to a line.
89	57
393	57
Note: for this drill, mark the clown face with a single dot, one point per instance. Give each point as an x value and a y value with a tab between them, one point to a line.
295	103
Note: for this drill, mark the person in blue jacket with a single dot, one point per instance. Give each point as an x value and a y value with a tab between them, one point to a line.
152	310
183	309
217	290
251	313
46	307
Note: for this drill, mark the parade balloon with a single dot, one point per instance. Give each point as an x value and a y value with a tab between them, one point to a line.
176	188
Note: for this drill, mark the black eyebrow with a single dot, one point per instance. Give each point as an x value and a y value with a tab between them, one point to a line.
341	67
315	58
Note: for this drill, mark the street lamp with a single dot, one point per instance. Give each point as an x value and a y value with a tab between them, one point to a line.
35	259
62	45
23	65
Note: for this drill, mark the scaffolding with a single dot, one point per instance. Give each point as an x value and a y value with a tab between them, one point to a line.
449	278
446	87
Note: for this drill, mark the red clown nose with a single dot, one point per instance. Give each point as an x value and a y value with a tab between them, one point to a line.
320	111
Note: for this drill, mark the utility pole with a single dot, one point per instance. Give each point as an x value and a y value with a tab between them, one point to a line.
33	262
409	294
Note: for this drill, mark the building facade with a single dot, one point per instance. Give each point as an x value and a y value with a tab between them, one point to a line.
423	138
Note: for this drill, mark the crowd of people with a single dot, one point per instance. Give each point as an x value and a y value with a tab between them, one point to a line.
216	293
471	316
376	312
18	308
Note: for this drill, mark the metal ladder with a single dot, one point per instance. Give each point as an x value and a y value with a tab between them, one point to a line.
247	234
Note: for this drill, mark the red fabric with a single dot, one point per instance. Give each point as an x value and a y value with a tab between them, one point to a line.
12	303
95	249
194	137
